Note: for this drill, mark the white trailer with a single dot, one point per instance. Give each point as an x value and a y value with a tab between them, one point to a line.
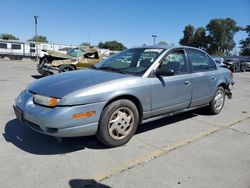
15	49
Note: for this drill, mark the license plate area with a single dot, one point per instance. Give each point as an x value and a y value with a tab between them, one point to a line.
18	112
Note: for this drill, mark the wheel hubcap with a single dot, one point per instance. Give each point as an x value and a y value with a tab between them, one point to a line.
66	69
121	123
219	100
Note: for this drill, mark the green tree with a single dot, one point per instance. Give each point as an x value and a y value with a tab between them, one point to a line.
85	44
245	44
101	45
221	35
6	36
112	45
163	43
188	37
40	38
200	38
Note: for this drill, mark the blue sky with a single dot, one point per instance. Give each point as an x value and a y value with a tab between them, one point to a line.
131	22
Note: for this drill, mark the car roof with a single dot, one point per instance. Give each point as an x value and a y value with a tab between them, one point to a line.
168	47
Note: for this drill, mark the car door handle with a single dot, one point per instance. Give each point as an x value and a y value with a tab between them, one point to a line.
213	78
187	82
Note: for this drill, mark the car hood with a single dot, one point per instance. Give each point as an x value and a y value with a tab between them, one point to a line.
63	84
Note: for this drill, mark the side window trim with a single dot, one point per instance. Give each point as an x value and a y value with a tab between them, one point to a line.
212	65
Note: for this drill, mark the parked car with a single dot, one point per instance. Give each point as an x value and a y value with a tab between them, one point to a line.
248	65
77	58
235	64
113	97
219	60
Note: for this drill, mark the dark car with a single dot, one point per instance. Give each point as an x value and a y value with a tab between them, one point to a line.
236	64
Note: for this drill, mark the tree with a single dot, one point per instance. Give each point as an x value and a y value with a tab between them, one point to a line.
194	37
163	43
40	38
101	45
85	44
112	45
200	38
245	44
188	37
6	36
221	35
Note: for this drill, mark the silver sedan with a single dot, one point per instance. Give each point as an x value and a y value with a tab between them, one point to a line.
113	97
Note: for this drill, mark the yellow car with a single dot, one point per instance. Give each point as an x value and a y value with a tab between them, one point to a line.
77	58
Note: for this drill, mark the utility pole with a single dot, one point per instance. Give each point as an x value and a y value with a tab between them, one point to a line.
154	36
36	18
89	36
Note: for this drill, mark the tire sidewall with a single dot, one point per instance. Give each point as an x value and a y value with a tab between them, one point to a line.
213	110
65	66
103	133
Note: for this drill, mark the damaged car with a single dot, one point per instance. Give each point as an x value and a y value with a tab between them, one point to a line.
77	58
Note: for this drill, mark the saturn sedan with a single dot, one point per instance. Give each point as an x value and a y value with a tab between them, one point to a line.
113	97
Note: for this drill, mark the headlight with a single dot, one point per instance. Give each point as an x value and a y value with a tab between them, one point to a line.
45	101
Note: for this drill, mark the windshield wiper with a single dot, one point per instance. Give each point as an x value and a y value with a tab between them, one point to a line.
112	69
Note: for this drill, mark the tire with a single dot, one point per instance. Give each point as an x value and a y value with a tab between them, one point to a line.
217	102
243	69
66	68
118	123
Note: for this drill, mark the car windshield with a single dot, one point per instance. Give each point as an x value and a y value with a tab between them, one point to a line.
133	61
76	52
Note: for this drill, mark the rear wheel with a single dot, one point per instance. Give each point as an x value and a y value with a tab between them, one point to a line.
217	102
66	68
118	123
243	69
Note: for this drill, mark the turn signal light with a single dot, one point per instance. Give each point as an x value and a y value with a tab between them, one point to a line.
52	102
84	114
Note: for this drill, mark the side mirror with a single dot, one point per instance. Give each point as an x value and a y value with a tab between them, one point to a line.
164	72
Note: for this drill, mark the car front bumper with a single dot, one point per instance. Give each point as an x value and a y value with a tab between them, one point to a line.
47	69
57	121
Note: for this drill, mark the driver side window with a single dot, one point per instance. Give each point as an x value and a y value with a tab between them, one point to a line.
175	61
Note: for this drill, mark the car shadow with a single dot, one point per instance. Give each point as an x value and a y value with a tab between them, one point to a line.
90	183
32	142
165	121
37	76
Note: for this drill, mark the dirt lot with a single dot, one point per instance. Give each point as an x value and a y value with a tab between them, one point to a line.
187	150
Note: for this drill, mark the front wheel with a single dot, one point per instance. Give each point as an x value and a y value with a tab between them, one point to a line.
118	123
217	102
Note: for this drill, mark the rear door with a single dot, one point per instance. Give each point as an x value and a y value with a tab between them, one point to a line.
204	77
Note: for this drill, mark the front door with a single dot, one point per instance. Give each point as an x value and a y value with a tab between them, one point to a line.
171	93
